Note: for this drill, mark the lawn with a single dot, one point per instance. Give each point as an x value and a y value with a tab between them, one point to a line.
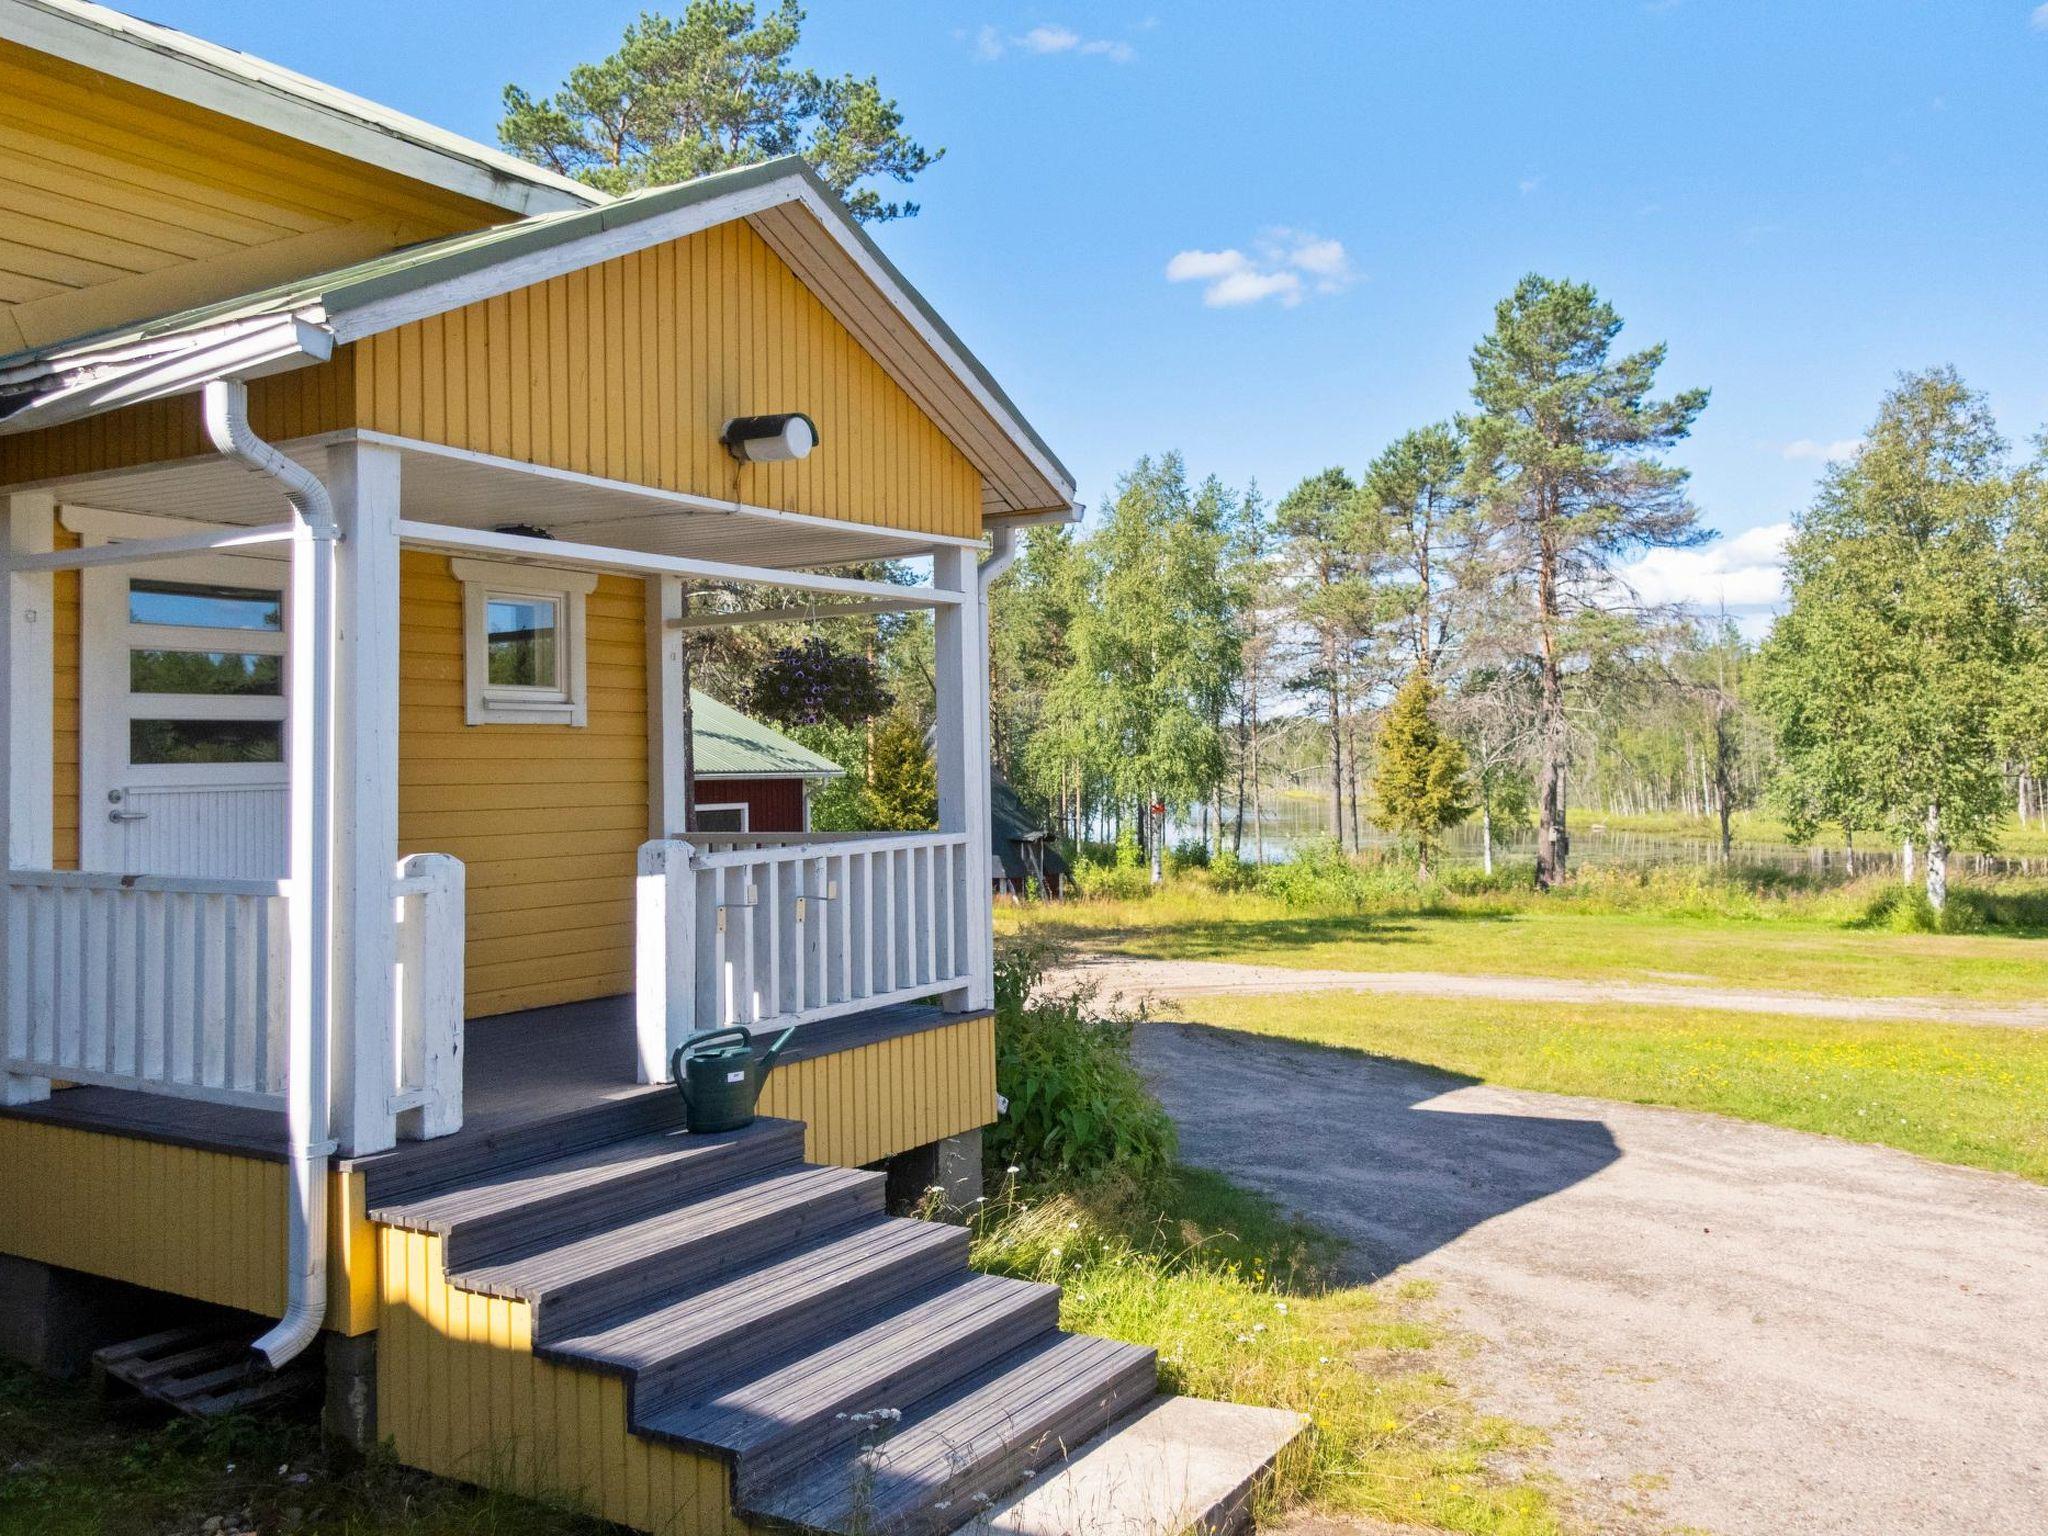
1756	942
1247	1306
1960	1094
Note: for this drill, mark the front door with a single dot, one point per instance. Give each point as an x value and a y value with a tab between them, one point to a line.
182	734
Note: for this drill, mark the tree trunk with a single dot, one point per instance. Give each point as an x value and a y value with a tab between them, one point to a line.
1486	835
1336	747
1937	859
1905	861
1552	845
1849	852
1258	799
1724	793
1153	832
1351	735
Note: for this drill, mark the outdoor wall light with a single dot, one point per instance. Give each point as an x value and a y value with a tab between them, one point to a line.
770	439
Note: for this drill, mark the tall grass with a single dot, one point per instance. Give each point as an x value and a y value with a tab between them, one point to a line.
1246	1306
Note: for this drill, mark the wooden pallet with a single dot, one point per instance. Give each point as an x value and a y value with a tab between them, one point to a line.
203	1371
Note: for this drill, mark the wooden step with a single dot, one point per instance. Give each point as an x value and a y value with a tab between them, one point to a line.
417	1168
953	1454
805	1292
609	1270
524	1209
804	1408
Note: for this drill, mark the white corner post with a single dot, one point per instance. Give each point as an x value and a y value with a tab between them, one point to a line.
667	759
26	659
363	480
960	645
665	954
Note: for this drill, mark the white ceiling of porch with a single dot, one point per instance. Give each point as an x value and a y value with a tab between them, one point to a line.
472	493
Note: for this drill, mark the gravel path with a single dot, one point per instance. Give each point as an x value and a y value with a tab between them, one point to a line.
1216	978
1723	1326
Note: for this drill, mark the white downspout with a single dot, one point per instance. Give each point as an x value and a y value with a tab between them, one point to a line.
310	754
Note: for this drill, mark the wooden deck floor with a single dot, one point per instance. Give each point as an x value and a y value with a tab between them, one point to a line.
520	1072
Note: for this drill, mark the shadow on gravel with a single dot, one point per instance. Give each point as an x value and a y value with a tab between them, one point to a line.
1354	1142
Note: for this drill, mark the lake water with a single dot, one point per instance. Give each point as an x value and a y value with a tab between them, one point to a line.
1294	820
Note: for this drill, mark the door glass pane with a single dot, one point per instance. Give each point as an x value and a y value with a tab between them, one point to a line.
205	741
229	672
519	639
204	605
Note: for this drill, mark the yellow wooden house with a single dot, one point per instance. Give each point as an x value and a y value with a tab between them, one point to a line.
357	484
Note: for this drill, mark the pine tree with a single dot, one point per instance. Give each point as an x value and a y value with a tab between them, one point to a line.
1562	464
1421	784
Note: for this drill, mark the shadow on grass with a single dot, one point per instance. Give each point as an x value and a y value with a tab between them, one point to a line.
1200	939
1355	1142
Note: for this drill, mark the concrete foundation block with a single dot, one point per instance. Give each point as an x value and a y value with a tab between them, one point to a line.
51	1319
952	1164
348	1414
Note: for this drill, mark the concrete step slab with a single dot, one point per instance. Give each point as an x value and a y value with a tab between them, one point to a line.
1177	1465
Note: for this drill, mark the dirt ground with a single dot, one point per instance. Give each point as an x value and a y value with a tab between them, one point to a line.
1216	978
1722	1326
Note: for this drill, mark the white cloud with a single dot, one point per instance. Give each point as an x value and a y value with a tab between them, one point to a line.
1807	448
2039	20
1744	575
1049	39
1283	264
1044	39
1528	184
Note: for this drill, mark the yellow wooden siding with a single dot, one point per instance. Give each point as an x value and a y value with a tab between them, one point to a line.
461	1394
548	819
208	1225
117	203
630	369
863	1105
283	406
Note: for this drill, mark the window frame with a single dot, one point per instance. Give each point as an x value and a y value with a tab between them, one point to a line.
489	703
741	806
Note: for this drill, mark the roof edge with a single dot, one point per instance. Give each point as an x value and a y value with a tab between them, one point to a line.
239	85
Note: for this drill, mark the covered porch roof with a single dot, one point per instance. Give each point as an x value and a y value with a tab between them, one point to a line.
300	324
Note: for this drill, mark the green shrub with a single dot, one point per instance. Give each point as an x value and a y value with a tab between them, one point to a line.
1228	872
1078	1108
1189	853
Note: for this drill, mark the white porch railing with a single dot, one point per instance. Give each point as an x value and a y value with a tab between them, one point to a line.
427	1074
179	986
166	984
775	928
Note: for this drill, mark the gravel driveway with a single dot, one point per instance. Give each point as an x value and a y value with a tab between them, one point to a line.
1745	1329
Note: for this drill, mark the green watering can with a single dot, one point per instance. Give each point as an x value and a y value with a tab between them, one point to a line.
719	1083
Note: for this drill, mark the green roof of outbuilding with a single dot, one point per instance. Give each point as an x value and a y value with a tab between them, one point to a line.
727	744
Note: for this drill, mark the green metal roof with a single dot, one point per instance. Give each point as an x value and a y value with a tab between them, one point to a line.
727	744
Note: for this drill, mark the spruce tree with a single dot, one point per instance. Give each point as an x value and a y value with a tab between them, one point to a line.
1421	784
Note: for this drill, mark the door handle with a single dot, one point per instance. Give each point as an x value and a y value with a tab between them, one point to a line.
127	815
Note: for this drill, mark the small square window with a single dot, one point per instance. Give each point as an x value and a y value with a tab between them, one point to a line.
523	642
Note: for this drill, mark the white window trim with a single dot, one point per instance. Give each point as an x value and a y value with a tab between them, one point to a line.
728	805
483	579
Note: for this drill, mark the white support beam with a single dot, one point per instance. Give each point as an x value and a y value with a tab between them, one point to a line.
960	650
667	719
139	551
806	614
363	480
559	552
26	713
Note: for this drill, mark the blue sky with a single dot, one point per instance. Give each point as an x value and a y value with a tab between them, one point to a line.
1800	199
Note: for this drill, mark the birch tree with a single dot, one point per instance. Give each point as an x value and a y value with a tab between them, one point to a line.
1888	675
